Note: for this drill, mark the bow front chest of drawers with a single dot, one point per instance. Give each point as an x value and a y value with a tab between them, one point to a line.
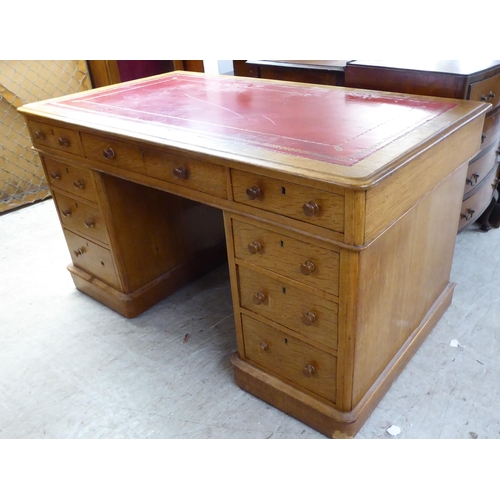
330	203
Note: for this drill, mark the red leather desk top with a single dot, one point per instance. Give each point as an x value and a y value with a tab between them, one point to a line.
328	124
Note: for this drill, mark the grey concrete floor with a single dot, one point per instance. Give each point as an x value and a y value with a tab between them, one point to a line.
72	368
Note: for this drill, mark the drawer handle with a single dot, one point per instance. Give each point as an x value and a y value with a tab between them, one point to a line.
108	153
254	192
310	208
89	223
309	371
66	212
491	95
264	346
307	268
259	298
63	141
254	247
79	184
55	175
309	318
473	179
180	173
39	134
468	214
79	251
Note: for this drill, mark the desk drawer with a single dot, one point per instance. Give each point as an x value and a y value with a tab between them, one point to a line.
205	177
92	258
290	358
476	204
59	138
303	203
480	168
76	180
81	217
486	90
310	315
303	262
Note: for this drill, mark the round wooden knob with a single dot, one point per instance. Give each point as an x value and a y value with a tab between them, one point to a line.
309	318
63	141
259	298
66	212
39	134
263	346
253	192
254	247
78	252
307	268
309	370
310	208
79	184
108	153
180	173
55	175
89	223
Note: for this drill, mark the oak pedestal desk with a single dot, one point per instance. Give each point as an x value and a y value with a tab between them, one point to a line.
332	204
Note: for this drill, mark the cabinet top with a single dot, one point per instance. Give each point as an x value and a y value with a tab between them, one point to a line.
332	134
451	67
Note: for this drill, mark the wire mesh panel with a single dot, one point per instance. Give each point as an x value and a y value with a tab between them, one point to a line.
22	180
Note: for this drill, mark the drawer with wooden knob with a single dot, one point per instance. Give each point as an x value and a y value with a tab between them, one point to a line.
81	217
75	180
480	167
295	259
59	138
477	203
310	315
92	258
183	171
290	358
302	203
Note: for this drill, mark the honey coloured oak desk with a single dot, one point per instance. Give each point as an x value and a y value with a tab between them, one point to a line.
331	203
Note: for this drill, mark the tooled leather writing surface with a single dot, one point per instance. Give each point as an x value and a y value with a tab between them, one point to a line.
329	124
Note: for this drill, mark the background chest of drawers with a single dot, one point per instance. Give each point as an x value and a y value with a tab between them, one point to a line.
338	273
